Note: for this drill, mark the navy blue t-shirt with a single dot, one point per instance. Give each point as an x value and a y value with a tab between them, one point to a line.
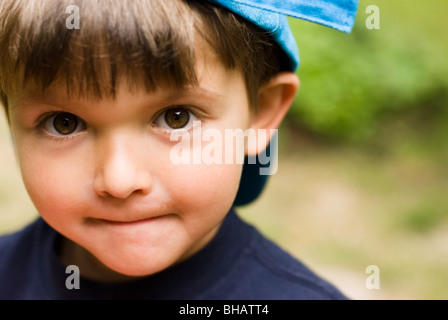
239	263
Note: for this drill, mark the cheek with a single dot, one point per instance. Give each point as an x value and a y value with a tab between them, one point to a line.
205	187
54	184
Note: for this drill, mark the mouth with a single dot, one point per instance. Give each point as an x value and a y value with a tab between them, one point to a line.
126	222
129	222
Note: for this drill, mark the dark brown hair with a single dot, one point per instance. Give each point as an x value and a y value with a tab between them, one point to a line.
149	42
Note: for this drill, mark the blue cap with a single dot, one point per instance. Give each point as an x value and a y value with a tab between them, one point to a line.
271	15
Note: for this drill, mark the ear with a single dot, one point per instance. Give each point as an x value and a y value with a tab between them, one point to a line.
274	100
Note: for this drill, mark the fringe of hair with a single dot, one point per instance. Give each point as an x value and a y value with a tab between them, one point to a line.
148	42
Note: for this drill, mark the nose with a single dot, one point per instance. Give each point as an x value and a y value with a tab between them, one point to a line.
121	169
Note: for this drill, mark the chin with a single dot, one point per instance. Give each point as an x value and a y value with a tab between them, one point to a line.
125	267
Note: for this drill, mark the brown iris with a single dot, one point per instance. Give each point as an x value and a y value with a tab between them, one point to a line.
65	123
177	118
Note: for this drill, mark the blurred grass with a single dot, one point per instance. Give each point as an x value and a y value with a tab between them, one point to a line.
362	173
342	208
16	208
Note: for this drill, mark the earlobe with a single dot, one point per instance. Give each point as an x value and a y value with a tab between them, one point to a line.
274	100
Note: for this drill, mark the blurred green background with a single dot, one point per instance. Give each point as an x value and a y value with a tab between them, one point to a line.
362	176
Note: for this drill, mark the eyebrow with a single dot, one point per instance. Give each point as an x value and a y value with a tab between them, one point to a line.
30	99
201	91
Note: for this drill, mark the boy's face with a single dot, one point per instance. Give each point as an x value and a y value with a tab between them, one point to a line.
99	172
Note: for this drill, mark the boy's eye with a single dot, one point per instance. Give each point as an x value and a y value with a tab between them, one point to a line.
63	124
175	118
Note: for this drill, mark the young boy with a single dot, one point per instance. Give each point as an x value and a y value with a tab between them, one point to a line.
92	110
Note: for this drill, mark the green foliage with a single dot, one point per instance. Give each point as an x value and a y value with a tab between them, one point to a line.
423	217
351	83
